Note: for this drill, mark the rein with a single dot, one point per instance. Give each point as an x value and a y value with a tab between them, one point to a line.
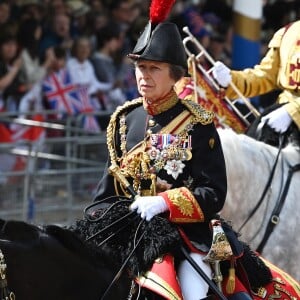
268	184
274	218
124	263
111	225
195	266
90	211
4	292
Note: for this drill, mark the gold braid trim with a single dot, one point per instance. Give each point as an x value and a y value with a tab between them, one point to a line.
111	128
201	115
154	282
160	105
183	206
111	134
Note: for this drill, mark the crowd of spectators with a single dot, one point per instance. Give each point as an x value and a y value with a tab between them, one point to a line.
85	43
93	38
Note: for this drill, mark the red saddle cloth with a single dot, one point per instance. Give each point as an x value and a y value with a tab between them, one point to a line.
282	287
162	280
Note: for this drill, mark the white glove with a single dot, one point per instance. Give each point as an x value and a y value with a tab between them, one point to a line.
222	74
279	119
149	206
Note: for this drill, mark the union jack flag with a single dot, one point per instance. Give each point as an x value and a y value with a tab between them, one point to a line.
60	92
86	106
69	98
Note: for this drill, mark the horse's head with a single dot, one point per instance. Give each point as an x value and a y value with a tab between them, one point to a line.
50	262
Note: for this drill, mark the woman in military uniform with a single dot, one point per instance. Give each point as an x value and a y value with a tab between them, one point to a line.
168	149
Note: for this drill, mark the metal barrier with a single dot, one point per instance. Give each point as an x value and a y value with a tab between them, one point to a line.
50	181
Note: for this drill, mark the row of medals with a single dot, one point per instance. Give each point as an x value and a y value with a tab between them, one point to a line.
168	148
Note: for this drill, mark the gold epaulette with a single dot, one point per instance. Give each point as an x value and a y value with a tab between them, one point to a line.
201	115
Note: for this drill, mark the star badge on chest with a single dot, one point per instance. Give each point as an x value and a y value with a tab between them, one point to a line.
174	167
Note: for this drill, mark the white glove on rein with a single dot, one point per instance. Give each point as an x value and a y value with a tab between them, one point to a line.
279	119
221	73
149	206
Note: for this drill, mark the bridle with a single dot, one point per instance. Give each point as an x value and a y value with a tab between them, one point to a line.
274	217
136	244
267	186
5	293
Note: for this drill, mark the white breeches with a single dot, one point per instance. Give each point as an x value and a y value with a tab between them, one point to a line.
192	285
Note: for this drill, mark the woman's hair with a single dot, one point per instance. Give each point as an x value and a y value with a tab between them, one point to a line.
177	72
26	36
5	39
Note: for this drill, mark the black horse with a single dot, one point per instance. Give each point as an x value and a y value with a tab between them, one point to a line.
83	261
52	263
97	257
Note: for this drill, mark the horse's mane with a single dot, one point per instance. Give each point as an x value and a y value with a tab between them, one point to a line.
240	143
235	145
158	237
30	235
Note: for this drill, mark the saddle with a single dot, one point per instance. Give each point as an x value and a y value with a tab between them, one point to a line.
163	237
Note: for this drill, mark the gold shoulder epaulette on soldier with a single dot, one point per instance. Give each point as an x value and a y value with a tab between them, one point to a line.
201	115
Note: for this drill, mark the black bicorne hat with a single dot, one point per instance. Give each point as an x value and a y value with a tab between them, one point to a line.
164	44
160	41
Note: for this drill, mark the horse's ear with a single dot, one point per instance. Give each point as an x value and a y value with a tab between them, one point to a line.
65	236
2	223
20	231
